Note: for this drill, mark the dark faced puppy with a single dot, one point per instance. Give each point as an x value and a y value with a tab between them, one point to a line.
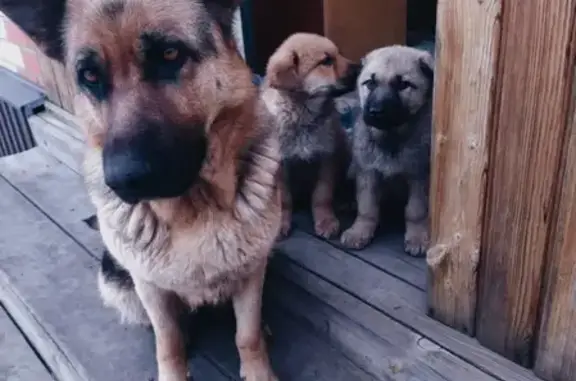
303	76
181	161
391	139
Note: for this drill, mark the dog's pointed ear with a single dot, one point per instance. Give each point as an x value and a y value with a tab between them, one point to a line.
42	20
282	70
426	62
222	11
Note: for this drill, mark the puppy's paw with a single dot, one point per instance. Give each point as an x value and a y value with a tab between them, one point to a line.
416	240
327	227
285	229
257	371
357	237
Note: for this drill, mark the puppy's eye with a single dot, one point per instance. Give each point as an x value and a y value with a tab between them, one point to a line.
93	81
402	84
370	83
171	54
327	61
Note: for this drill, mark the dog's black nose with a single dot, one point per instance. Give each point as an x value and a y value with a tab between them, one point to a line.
154	162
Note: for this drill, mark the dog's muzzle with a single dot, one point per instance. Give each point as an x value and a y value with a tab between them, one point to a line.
384	109
347	83
154	162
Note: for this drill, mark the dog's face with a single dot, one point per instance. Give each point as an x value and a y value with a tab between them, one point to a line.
395	83
311	64
150	75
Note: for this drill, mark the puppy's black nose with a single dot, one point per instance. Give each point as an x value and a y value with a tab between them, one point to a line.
153	162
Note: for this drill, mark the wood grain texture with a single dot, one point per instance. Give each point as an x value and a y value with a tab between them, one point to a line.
18	361
526	141
366	288
386	348
466	51
556	349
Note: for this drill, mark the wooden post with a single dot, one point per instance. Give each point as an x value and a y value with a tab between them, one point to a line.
556	350
532	88
466	52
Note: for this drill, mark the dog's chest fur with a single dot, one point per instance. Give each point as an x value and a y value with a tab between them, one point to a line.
305	126
205	260
410	157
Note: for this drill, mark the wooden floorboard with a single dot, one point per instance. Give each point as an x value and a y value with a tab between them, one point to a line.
326	265
385	253
384	347
18	361
371	309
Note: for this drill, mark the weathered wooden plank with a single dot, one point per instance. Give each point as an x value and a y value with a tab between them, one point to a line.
364	283
296	352
57	191
532	90
467	36
556	348
380	345
57	143
18	361
47	78
65	86
352	272
385	253
49	287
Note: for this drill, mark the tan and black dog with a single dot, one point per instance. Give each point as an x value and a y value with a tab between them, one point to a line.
181	162
303	77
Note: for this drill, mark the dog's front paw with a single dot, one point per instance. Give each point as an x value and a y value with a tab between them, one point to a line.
357	237
416	239
257	371
327	227
285	229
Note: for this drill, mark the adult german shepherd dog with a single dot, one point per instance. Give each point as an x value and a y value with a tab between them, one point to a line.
181	161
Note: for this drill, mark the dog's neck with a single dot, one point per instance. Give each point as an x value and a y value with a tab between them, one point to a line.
312	108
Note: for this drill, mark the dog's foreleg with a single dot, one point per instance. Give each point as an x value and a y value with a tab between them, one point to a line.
164	308
368	197
325	222
417	237
254	362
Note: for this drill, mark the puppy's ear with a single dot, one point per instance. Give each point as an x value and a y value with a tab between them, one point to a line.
222	11
426	63
42	20
282	70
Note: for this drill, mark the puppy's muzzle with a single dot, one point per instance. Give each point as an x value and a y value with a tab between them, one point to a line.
384	109
347	83
152	162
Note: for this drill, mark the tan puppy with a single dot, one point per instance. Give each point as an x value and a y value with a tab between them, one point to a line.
303	76
181	162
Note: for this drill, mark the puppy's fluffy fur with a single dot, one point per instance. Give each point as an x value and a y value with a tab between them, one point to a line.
392	140
303	76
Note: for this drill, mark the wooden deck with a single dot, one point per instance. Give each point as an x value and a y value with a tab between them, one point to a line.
334	315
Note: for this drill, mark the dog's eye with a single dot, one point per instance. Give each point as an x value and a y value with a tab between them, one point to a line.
370	83
171	54
402	84
90	76
327	61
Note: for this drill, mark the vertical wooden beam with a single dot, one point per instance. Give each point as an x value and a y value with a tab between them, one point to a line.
466	53
556	350
525	145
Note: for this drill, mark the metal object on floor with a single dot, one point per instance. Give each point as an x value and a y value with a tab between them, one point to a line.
19	99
